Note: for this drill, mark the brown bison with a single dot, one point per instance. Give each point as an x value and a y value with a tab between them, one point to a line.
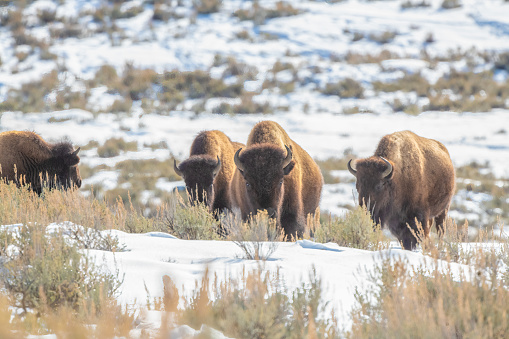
277	175
409	179
209	169
26	158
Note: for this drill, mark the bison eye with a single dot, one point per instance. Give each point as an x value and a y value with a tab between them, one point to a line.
281	183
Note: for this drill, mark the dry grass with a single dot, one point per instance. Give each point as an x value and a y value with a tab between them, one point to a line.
355	229
258	237
256	305
408	83
259	14
347	88
114	146
450	302
329	165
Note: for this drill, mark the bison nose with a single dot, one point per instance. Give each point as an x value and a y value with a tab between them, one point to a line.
271	212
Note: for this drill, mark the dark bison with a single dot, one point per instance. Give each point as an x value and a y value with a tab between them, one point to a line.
26	158
277	175
209	169
408	179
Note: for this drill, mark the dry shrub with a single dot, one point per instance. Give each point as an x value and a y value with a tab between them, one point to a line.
450	4
21	205
256	305
48	94
236	68
384	37
347	88
414	4
259	14
331	164
247	106
163	12
357	58
188	219
408	108
207	6
473	92
425	301
258	237
114	146
46	271
355	229
408	83
30	97
195	85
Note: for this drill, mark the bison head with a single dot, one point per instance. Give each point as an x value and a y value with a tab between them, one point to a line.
264	167
62	169
374	178
199	172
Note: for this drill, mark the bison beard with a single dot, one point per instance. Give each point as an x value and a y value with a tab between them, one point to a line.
409	180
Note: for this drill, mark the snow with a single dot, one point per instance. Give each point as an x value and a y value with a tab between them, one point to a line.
148	257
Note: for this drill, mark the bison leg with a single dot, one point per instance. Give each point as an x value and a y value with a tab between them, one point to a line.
293	226
410	232
439	222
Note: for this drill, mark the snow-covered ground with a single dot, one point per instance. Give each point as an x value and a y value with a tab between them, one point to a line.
148	257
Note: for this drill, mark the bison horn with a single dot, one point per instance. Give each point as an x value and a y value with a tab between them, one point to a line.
177	170
237	160
351	169
388	171
218	166
288	158
76	151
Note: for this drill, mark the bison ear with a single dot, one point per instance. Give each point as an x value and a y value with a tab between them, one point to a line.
289	167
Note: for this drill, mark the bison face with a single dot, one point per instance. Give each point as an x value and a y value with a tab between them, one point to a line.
374	178
62	170
199	173
263	168
67	171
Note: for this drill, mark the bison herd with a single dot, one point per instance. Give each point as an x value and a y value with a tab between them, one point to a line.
408	181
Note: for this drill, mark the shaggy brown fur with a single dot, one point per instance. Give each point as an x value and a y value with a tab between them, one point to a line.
262	182
25	156
202	172
419	187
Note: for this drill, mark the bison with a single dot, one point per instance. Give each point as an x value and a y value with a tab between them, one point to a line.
277	175
209	169
26	158
409	180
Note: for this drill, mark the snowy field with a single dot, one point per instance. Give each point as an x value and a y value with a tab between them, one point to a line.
343	270
311	39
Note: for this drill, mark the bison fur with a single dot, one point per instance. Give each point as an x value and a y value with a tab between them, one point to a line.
209	169
25	158
409	180
275	174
